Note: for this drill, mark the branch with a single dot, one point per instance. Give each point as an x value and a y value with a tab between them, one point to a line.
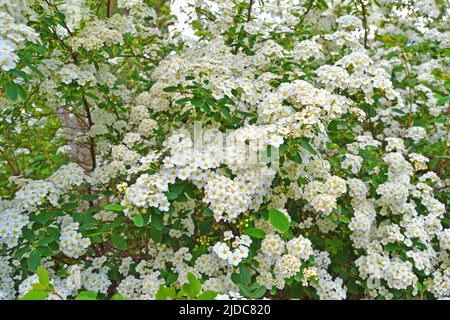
307	10
108	9
249	11
91	140
13	168
364	22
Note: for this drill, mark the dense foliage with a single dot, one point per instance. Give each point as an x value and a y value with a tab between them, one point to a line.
247	149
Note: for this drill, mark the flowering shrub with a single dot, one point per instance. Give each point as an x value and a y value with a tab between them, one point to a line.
247	150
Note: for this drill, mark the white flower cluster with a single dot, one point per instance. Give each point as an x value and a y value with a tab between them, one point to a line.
99	32
238	250
322	196
228	198
13	34
395	198
95	278
7	290
11	223
285	260
30	196
348	21
143	288
67	177
72	243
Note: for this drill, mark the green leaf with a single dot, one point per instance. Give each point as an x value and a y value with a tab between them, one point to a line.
161	294
171	195
446	221
86	295
156	235
442	100
207	295
20	252
69	206
193	286
294	156
207	212
89	197
11	90
117	296
322	4
182	101
344	219
38	48
245	291
138	220
244	274
157	221
305	144
278	220
258	293
235	277
43	276
171	293
28	234
34	260
255	233
114	207
53	233
35	294
390	247
94	209
42	217
170	89
118	241
420	287
39	286
398	68
176	188
197	102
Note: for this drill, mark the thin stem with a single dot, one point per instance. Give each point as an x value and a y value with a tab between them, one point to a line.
249	11
364	15
91	140
307	10
410	90
108	9
62	21
10	163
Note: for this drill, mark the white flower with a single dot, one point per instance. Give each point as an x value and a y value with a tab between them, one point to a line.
222	250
